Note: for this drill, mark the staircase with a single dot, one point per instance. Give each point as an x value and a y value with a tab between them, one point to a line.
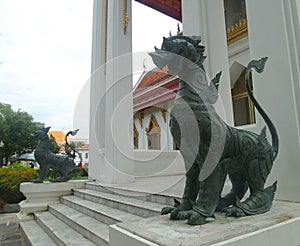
84	217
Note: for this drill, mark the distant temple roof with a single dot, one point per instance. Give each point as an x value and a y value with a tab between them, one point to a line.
59	136
152	77
153	88
171	8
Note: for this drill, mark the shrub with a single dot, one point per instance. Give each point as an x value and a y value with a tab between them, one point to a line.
10	180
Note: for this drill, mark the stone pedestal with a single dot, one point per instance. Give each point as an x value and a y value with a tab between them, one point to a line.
39	196
280	226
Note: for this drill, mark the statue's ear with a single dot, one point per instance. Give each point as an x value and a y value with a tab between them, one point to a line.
47	129
166	44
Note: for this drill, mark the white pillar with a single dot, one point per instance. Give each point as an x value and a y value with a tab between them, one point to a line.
96	164
274	31
206	19
111	98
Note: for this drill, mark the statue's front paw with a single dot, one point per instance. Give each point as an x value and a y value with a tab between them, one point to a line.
166	210
234	212
173	211
183	215
177	214
196	218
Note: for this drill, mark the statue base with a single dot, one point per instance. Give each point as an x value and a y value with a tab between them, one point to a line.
280	226
40	195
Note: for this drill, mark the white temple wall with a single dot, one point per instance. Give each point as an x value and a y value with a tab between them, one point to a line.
166	140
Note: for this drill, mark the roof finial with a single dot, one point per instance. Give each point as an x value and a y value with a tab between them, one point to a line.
179	32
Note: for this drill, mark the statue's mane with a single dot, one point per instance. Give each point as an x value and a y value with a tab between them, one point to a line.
189	47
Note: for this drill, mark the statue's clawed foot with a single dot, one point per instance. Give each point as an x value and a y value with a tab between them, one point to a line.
173	211
196	218
177	210
192	216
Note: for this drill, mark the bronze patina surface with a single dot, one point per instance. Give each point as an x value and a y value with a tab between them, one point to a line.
212	149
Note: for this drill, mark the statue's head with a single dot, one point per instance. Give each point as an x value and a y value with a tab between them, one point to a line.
178	52
41	133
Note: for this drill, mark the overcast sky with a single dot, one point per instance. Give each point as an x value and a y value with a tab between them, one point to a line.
45	53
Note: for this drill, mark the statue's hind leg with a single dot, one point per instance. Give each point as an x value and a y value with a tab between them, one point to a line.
260	199
239	188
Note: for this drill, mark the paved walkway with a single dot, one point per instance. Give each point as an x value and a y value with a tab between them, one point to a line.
10	233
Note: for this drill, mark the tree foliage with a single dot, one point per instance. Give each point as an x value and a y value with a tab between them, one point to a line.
16	128
54	147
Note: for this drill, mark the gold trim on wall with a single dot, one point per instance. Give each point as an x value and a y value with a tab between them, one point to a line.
153	126
250	105
125	16
237	32
164	114
140	116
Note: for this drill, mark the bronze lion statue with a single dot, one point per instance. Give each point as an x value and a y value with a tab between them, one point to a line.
211	149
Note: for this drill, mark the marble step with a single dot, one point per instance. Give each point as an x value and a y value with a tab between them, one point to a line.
34	234
87	226
60	232
165	199
127	204
98	211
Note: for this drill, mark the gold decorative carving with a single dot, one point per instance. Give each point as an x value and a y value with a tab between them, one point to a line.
135	137
140	116
164	114
125	15
135	131
237	31
153	126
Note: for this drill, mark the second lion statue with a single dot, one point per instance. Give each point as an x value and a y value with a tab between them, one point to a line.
211	149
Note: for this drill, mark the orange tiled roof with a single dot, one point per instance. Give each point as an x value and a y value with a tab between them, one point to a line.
152	77
58	135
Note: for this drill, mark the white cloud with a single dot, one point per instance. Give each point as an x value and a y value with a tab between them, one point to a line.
45	53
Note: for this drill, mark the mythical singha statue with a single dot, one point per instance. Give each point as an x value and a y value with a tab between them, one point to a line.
64	164
211	149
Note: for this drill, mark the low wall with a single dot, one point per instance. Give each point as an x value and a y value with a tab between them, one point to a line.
40	195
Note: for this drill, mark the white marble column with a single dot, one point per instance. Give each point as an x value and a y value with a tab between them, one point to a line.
111	88
96	161
274	31
205	18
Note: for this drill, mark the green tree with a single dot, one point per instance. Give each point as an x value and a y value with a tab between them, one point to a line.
16	128
54	147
